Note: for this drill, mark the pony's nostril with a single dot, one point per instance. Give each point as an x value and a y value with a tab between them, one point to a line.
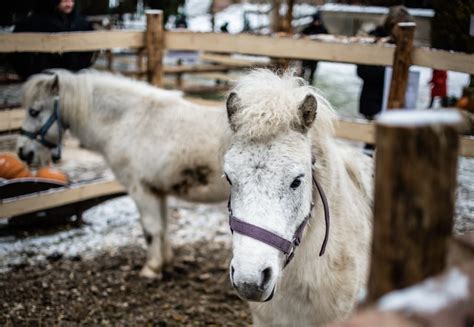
266	277
29	157
20	153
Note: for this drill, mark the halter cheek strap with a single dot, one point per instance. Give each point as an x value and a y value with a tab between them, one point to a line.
276	241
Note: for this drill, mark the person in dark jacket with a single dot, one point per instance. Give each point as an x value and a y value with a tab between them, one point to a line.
371	96
373	77
316	27
51	16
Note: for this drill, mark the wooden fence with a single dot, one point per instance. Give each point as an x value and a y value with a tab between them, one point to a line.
155	40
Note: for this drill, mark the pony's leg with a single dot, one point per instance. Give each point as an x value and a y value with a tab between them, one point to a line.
153	217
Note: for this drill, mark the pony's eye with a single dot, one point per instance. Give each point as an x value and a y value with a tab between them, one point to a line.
33	112
228	179
296	183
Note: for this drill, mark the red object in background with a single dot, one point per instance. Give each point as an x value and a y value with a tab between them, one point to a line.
439	83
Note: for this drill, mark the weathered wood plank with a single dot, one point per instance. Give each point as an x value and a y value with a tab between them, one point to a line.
75	41
154	46
54	198
415	182
404	36
281	47
441	59
227	60
11	120
351	129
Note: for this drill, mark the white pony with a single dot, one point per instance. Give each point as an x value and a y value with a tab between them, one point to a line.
279	125
156	142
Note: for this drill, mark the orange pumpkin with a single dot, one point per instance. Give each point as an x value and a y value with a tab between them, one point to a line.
12	167
52	173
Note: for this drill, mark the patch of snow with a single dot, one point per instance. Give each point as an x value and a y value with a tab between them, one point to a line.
197	7
362	295
115	224
428	297
419	117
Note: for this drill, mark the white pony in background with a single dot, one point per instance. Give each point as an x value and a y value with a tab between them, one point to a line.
279	125
156	142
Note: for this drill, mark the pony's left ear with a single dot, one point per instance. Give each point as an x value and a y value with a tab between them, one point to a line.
307	112
54	86
233	105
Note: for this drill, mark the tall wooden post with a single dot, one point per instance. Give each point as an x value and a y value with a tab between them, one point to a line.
154	46
404	34
139	63
275	18
289	17
179	76
415	180
109	56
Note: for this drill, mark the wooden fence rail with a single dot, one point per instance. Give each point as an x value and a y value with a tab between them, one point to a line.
351	129
273	46
54	198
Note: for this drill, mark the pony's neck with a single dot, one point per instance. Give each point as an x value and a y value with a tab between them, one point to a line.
78	103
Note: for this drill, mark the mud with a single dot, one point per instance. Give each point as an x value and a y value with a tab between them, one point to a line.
107	290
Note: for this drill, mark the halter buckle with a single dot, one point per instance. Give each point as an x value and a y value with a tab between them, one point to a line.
296	241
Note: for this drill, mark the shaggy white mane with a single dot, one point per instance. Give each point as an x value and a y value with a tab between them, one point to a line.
270	105
75	89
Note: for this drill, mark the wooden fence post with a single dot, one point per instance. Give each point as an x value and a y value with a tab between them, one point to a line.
109	56
288	28
154	46
402	59
139	63
415	181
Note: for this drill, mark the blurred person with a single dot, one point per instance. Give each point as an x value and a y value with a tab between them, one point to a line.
181	21
438	87
316	27
373	77
371	96
51	16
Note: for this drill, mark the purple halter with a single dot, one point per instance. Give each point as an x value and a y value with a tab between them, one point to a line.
278	242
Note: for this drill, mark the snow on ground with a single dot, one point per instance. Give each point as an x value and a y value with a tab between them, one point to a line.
112	225
430	296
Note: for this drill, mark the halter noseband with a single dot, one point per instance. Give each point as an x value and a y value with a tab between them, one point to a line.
276	241
40	135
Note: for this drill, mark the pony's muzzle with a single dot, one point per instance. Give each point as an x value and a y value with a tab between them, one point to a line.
25	156
253	289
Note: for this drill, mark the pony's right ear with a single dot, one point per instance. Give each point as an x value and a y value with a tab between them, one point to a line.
233	105
307	111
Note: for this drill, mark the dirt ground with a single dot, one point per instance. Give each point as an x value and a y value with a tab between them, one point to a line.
107	290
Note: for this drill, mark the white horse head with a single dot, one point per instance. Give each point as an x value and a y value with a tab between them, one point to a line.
43	126
269	166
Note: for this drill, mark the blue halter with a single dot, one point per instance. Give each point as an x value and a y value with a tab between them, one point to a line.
40	135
